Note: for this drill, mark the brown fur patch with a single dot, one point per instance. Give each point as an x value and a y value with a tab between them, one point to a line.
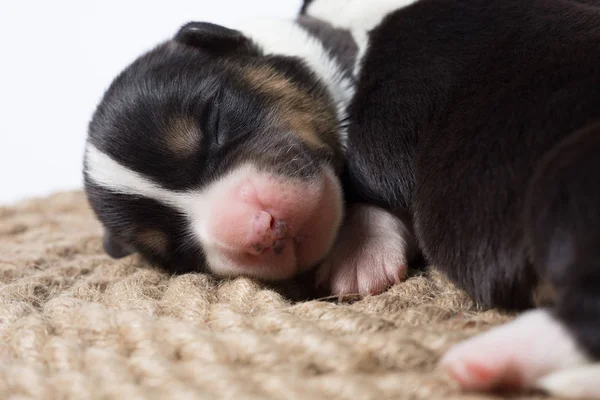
544	295
182	137
310	117
154	240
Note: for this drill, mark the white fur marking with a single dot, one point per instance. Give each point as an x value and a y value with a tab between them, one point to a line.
287	38
108	173
358	16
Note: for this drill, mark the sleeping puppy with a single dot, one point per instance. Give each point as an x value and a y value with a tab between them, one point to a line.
221	150
480	120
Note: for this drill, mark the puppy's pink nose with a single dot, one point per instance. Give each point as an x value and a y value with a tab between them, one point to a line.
267	232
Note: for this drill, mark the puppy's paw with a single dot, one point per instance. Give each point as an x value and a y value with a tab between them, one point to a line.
370	255
576	383
532	352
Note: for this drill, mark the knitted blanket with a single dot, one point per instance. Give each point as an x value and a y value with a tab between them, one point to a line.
75	324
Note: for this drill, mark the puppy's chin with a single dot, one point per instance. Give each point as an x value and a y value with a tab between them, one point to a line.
257	224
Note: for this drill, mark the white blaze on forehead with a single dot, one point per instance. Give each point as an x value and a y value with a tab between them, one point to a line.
358	16
108	173
287	38
112	175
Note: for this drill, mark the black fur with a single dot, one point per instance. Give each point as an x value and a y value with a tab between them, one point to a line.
304	6
477	117
562	230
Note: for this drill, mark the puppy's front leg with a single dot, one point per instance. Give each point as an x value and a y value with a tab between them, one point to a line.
371	253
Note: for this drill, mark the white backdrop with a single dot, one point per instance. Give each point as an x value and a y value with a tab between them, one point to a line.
56	59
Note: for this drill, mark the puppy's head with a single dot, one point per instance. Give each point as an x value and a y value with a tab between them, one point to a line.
207	155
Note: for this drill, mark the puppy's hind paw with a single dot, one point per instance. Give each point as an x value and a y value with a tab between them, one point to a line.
575	383
532	352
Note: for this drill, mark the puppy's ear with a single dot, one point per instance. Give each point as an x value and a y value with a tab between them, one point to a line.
304	7
211	37
114	247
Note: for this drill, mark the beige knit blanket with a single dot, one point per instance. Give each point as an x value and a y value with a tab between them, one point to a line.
75	324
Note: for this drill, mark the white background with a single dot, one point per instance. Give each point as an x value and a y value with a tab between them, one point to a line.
56	59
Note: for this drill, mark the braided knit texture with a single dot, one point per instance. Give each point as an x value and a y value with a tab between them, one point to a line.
75	324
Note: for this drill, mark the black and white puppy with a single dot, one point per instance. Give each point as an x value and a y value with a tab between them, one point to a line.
480	119
221	150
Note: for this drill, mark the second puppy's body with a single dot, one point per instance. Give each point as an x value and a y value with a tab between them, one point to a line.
481	119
